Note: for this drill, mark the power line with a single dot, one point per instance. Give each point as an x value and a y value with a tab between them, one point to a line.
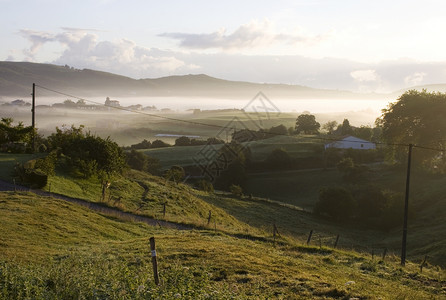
226	127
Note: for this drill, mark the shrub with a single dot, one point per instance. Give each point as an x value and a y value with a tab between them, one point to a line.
205	185
175	173
159	144
336	202
236	190
47	165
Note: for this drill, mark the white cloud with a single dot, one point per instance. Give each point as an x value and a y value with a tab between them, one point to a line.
83	50
365	75
415	79
252	35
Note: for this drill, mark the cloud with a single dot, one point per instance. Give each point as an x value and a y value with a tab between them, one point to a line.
37	40
83	50
251	35
415	79
365	75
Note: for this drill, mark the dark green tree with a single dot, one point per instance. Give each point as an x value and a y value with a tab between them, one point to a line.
336	202
10	134
345	128
183	141
307	124
416	118
159	144
140	161
175	174
88	155
278	158
363	132
330	127
278	130
231	162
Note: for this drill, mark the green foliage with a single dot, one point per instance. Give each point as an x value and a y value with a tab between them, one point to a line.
87	154
336	202
175	174
29	176
416	118
351	171
159	144
231	163
345	128
183	141
15	139
330	127
47	164
363	132
307	124
142	162
145	144
278	158
278	130
205	185
236	190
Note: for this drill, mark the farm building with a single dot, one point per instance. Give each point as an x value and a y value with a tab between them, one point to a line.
348	142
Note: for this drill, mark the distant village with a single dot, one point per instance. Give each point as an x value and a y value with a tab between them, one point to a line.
108	105
82	105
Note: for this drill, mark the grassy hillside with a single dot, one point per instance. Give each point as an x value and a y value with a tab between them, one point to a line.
16	79
53	249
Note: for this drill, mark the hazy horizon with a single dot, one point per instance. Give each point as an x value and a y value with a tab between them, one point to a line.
377	46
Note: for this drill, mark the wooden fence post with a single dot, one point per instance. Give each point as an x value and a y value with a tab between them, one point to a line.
384	254
154	260
336	242
309	237
423	264
210	216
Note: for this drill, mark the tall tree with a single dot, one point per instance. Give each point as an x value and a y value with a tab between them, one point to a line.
346	128
330	127
307	124
417	118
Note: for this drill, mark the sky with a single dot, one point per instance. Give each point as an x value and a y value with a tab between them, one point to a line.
357	45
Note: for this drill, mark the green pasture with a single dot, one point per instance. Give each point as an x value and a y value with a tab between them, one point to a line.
53	249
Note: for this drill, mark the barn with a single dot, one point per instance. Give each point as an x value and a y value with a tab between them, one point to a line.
352	142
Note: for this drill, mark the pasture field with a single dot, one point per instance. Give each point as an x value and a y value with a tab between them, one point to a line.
54	249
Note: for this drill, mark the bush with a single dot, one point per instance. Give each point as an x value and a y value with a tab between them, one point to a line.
236	190
205	185
159	144
29	176
183	141
279	158
175	173
47	165
336	202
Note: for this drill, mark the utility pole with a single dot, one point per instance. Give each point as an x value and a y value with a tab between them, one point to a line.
406	208
33	113
33	121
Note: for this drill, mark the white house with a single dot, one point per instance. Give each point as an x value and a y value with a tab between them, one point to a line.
352	142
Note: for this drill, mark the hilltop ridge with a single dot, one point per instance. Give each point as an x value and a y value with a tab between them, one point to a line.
16	79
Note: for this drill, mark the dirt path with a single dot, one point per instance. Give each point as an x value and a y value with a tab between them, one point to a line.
109	211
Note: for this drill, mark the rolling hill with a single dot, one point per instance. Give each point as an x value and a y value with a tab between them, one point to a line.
16	79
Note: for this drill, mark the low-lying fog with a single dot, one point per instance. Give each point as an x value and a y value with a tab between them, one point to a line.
127	127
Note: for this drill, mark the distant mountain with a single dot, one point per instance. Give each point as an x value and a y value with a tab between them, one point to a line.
16	79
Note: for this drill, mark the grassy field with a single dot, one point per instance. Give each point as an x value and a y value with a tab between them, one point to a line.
53	249
296	146
8	161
